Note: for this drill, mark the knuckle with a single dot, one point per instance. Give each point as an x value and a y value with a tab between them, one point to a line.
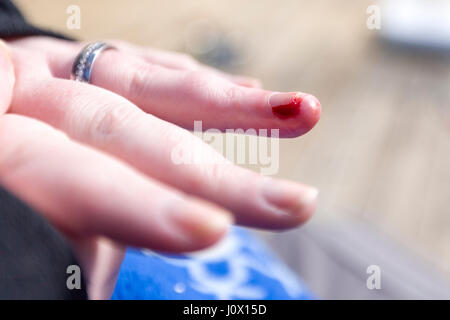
211	177
216	172
110	119
196	81
139	79
233	94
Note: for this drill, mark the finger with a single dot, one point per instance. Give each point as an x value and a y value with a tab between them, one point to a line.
6	77
101	259
86	193
109	122
181	61
183	96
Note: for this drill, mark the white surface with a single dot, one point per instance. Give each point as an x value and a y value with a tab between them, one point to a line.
418	22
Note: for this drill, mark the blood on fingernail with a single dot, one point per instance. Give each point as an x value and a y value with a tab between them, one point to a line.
290	110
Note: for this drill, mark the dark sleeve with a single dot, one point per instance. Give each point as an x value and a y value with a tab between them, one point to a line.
13	24
34	256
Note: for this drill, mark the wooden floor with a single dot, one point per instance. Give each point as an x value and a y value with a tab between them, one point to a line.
381	151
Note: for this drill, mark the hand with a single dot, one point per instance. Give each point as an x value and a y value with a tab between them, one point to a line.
95	160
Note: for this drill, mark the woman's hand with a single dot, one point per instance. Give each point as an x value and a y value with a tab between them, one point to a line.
96	161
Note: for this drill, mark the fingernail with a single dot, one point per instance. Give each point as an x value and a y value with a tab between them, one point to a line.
9	59
5	47
289	197
6	81
199	219
292	104
277	99
213	221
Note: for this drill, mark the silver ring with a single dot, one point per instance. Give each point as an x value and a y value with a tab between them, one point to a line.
84	62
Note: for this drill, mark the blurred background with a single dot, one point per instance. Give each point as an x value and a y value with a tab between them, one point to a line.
380	155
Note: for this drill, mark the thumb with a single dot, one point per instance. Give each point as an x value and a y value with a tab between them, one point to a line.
6	77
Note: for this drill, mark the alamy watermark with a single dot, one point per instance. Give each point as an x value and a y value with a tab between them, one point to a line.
245	147
374	279
374	20
74	19
74	279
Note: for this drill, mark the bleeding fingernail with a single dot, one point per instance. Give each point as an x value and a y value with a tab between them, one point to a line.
293	104
292	198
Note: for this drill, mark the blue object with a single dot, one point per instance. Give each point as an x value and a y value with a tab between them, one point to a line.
238	267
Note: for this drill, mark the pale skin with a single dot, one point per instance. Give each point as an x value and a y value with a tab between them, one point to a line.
95	159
